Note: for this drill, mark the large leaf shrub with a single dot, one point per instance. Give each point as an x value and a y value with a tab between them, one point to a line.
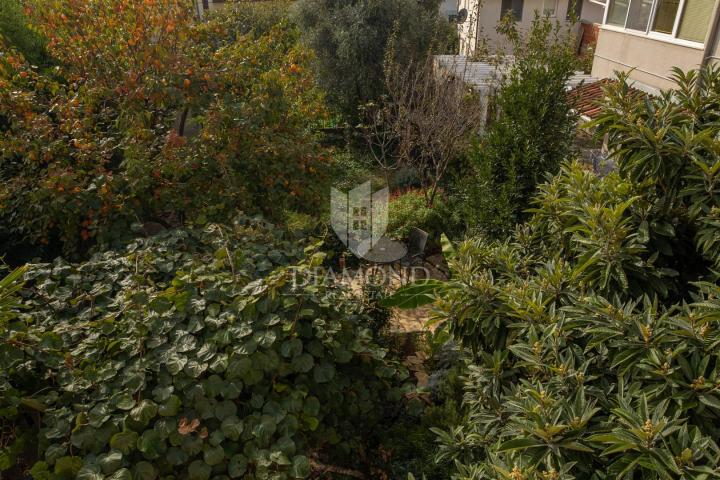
593	331
191	355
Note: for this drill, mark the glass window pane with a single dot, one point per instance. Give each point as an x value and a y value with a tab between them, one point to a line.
695	20
516	6
639	15
617	13
574	10
665	15
549	7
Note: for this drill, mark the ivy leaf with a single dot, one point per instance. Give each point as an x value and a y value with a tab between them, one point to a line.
232	427
265	339
225	409
247	348
144	412
175	363
125	441
110	461
68	467
265	429
324	373
291	347
185	343
150	444
199	470
89	473
303	363
170	407
237	466
144	471
213	455
300	467
98	415
122	474
311	406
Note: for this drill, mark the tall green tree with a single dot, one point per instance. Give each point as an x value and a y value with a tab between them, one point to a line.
350	39
533	131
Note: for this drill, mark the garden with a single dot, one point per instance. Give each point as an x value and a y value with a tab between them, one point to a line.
169	302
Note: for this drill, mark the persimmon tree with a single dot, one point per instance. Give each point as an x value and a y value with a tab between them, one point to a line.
103	139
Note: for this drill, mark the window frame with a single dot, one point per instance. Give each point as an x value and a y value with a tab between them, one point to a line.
554	3
503	11
648	32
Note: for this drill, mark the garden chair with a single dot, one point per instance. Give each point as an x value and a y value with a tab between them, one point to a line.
417	240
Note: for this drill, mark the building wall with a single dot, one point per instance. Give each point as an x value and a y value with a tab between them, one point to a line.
485	22
592	12
448	7
649	61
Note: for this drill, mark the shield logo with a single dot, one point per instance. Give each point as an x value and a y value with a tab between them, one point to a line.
359	217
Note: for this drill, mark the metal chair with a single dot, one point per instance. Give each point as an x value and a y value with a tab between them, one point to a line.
417	240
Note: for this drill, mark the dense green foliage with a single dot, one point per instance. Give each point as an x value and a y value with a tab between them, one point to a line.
15	30
592	354
585	331
669	145
152	116
351	38
196	354
532	134
410	209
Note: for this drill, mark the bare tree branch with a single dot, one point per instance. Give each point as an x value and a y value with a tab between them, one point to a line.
433	117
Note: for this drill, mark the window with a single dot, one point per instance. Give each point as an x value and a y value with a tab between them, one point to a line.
683	19
665	16
617	14
639	14
514	6
695	19
574	10
549	8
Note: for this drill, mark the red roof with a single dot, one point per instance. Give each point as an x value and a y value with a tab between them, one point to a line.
587	98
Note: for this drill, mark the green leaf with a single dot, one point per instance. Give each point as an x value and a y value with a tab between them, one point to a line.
213	455
144	471
124	441
311	406
291	348
265	429
303	363
519	444
122	474
144	412
415	294
170	407
448	249
300	467
150	444
225	409
324	373
199	470
68	467
89	472
39	471
110	462
232	427
237	466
